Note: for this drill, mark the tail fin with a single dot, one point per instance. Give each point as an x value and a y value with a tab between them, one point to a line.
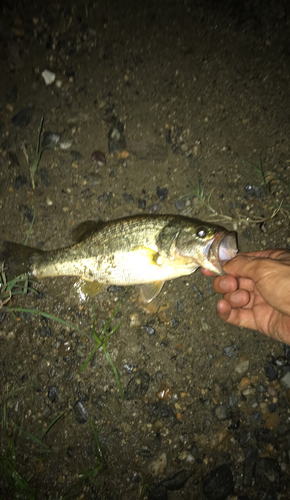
18	258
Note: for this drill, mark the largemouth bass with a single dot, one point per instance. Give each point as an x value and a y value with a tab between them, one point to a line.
142	250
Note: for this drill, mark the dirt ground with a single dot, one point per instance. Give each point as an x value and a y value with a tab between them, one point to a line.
199	93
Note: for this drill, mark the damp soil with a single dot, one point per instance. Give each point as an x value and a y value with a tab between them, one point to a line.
199	95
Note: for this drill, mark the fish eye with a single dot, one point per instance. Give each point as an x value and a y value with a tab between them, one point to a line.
202	232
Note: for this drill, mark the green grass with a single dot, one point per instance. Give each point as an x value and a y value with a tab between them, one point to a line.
38	152
20	286
101	343
270	178
200	198
12	480
91	474
8	289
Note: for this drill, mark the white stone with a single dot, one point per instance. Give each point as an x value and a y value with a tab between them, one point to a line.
158	466
48	76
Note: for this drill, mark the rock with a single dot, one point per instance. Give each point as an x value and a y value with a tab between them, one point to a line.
160	410
221	412
48	76
134	320
256	416
285	380
149	329
128	198
23	117
107	404
244	383
272	407
141	204
233	400
53	393
76	156
98	158
267	473
255	191
20	181
230	351
80	412
286	349
219	483
138	385
242	365
177	481
162	193
270	371
49	140
117	141
158	466
26	212
156	491
249	465
180	204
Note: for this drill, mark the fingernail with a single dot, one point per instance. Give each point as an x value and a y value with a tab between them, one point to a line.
223	284
235	297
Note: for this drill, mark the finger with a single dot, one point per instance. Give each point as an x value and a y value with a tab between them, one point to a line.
225	284
239	298
206	272
223	309
245	266
237	317
277	254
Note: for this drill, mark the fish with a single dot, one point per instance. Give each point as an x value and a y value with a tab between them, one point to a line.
145	250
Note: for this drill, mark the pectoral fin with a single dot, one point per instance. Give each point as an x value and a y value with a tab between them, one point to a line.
149	291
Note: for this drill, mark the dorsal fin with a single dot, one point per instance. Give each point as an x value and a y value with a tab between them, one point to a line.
85	229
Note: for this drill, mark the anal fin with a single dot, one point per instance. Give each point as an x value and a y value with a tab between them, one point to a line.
149	291
89	288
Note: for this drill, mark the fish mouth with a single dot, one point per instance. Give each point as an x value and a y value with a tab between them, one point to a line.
222	249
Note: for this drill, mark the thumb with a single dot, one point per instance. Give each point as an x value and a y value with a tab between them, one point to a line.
245	266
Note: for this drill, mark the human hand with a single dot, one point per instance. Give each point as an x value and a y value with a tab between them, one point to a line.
256	292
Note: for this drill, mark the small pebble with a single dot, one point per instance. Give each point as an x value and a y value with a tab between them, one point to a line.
230	350
134	320
242	365
98	158
20	181
158	466
23	117
80	412
270	371
49	140
244	384
267	473
149	329
285	380
221	412
162	193
178	480
53	393
141	204
219	483
138	385
180	204
116	136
